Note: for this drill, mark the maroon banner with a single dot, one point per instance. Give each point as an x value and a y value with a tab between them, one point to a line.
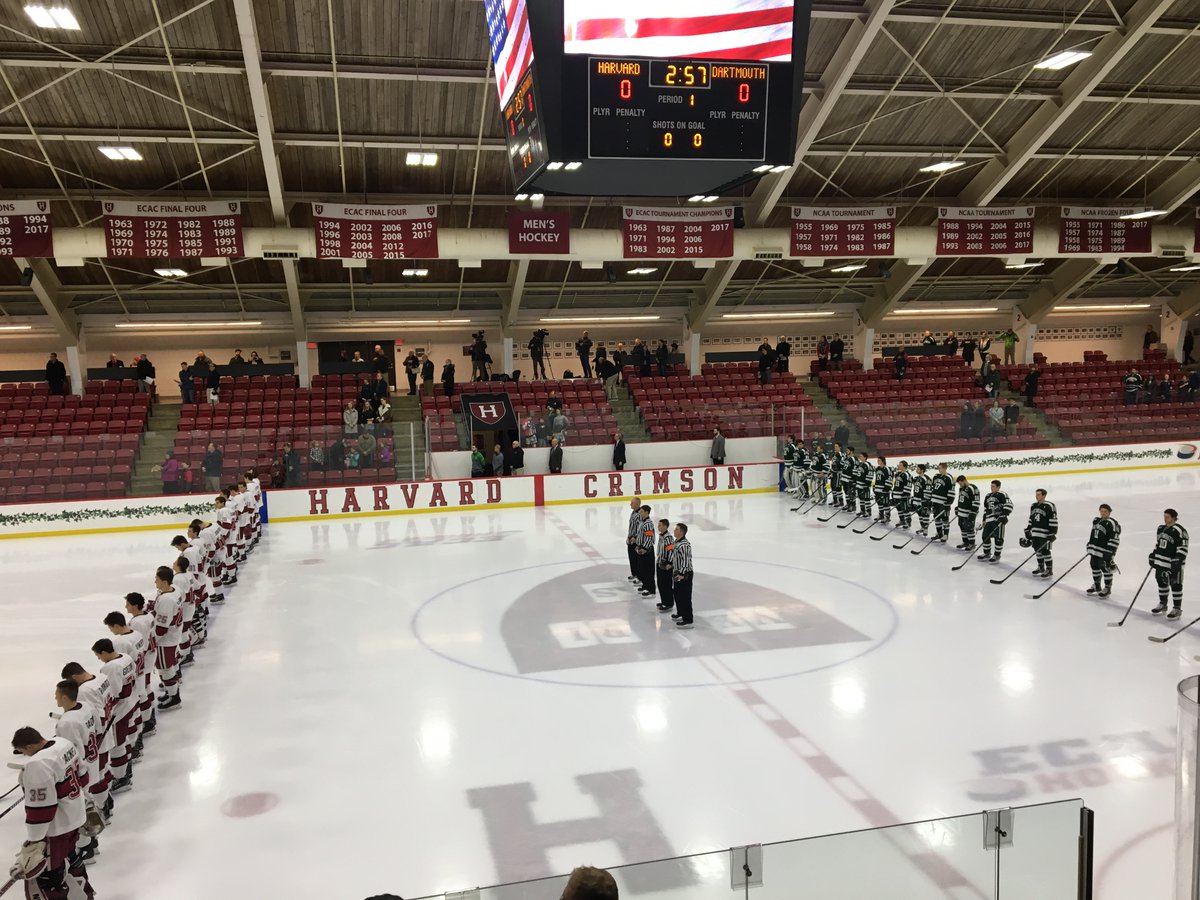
1100	229
656	233
25	229
539	231
835	231
984	231
146	229
375	232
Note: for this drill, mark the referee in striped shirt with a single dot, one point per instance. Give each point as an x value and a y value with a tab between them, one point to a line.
681	567
635	526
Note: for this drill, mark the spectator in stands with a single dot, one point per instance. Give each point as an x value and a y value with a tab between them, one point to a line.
514	459
383	412
145	374
1192	386
1189	343
386	456
316	457
662	356
928	340
608	374
996	418
448	378
978	419
618	459
717	451
255	359
968	346
497	460
1031	384
290	462
554	404
542	432
353	457
187	388
951	343
601	356
357	359
411	365
1149	389
169	471
964	420
201	360
766	361
366	416
559	426
643	362
426	375
1133	386
380	364
114	362
1149	339
841	434
583	349
901	364
619	359
1010	346
350	418
366	394
837	349
1164	390
783	355
985	358
212	382
1012	415
992	381
237	359
366	449
212	466
335	457
555	456
477	462
823	348
380	389
590	883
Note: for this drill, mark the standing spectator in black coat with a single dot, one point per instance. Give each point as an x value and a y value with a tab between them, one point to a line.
411	366
427	376
964	420
837	350
766	361
212	466
1031	384
514	459
978	419
145	374
187	387
841	434
448	378
641	357
717	451
1189	343
380	363
291	467
583	349
379	388
1149	339
555	457
114	362
783	355
618	451
663	357
237	359
968	346
1012	415
901	365
619	358
951	343
56	375
601	356
608	374
212	380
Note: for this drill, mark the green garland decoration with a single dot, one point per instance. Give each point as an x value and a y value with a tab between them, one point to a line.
1008	462
188	510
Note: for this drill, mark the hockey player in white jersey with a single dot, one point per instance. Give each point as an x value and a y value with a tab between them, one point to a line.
139	619
167	609
79	723
121	671
185	581
96	691
135	645
201	586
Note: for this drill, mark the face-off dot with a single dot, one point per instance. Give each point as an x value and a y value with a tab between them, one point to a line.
244	806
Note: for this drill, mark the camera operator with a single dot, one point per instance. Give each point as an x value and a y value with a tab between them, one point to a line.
583	349
537	353
479	357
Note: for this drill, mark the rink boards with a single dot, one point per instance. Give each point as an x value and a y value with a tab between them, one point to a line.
447	495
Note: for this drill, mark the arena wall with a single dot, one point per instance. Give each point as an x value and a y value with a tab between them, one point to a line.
454	494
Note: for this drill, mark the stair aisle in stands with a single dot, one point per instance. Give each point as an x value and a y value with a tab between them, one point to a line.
158	439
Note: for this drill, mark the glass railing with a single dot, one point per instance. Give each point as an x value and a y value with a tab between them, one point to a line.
1040	852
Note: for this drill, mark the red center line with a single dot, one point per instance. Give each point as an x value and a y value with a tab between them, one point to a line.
943	874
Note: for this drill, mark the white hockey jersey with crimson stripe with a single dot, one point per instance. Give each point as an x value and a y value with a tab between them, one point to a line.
122	673
53	798
81	726
168	618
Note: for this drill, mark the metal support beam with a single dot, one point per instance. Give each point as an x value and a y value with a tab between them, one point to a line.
519	271
1109	52
47	288
709	294
1178	188
889	293
265	126
1186	304
1062	283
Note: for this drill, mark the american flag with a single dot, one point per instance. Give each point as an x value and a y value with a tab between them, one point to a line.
512	51
758	30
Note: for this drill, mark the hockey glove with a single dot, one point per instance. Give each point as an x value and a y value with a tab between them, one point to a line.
30	862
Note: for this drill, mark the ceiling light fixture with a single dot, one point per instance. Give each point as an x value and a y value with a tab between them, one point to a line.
554	166
643	270
121	153
185	324
581	319
1098	307
16	327
572	166
761	169
415	273
1025	265
414	322
1195	267
1062	59
520	196
53	17
780	315
853	267
945	165
537	198
171	273
947	311
775	170
420	158
1145	214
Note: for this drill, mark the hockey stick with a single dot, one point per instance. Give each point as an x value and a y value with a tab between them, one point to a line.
848	524
1014	571
928	544
820	501
1163	640
7	885
905	544
1055	581
833	515
970	556
874	522
1133	601
880	537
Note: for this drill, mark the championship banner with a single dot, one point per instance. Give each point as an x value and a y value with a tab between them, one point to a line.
489	412
145	229
25	228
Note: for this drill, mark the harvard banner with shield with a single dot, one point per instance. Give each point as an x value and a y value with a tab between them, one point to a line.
489	412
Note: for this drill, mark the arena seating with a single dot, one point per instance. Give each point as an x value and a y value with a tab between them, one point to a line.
920	413
1086	400
68	447
728	395
256	416
590	413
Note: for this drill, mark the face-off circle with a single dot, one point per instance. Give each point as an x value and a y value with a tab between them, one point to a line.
580	623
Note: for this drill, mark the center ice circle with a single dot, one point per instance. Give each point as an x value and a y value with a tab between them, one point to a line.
580	623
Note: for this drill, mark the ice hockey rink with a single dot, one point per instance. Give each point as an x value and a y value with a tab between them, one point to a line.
427	703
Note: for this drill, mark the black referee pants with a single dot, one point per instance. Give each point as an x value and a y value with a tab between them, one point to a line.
645	572
666	592
633	560
683	598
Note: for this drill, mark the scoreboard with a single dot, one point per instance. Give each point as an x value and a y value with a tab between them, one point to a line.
647	99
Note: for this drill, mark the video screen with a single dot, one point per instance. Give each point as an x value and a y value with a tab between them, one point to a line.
758	30
509	38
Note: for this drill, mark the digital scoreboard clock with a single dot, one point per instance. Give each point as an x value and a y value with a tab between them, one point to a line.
677	109
647	97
